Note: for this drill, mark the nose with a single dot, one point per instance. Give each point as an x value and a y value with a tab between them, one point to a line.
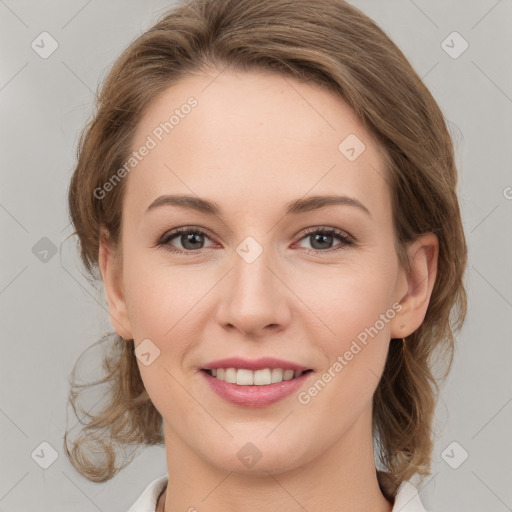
254	298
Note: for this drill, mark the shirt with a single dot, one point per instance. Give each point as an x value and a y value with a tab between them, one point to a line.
406	499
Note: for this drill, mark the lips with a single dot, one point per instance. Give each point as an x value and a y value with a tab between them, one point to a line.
255	364
254	383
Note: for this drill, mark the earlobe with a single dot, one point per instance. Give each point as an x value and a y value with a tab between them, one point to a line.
423	255
112	282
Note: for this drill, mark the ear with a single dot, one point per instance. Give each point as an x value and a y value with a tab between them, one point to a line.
419	283
111	272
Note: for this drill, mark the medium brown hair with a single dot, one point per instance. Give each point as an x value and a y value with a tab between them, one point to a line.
332	44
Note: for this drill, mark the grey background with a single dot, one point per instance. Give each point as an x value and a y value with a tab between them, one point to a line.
50	314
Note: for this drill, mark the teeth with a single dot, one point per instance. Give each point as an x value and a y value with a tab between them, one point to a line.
231	376
244	377
277	375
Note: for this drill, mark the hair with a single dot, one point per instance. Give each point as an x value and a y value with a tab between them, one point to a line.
334	45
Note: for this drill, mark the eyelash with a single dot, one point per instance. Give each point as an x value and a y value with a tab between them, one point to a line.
337	233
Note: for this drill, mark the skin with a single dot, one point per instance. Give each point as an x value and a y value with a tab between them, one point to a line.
255	142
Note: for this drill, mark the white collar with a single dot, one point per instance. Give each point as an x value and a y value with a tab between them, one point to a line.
407	498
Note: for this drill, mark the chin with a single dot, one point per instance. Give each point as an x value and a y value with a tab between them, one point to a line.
259	456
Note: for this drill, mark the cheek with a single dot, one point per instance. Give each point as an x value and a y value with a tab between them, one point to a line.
352	314
345	301
162	300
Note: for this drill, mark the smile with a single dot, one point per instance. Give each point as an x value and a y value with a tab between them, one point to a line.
263	377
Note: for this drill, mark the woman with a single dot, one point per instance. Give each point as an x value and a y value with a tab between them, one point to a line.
268	191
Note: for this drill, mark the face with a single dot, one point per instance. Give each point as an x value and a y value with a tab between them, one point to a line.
261	272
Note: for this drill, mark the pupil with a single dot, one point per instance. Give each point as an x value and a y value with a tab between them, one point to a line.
190	238
319	238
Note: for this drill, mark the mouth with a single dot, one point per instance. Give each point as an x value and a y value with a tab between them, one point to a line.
260	387
261	377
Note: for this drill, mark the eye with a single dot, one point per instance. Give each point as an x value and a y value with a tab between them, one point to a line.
322	237
191	240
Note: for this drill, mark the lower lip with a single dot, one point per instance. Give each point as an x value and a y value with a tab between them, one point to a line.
255	396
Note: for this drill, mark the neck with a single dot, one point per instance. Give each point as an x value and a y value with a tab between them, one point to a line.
343	477
160	504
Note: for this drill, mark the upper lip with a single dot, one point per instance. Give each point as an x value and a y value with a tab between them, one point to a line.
254	364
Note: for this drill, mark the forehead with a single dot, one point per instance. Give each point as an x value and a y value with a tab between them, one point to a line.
253	140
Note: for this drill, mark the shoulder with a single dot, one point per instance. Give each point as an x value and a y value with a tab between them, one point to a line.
146	502
407	499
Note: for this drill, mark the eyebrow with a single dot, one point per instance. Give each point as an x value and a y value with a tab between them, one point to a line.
295	207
